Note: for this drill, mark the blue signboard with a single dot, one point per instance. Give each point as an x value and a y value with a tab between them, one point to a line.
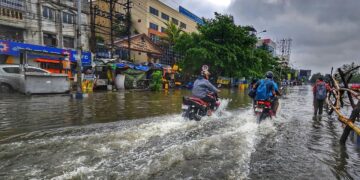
190	15
13	49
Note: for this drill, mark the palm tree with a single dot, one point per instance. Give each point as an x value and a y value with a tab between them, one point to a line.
173	33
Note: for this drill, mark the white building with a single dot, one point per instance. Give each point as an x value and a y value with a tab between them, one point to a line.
48	23
268	45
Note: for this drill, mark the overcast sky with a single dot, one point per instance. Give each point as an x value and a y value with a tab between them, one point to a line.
325	33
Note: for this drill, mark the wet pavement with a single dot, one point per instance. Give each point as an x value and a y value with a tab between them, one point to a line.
141	135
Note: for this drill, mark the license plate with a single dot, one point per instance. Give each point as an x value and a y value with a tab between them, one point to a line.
258	109
184	106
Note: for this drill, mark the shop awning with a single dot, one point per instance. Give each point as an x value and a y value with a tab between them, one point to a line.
47	60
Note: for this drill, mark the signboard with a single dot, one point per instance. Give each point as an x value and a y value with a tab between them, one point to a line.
190	15
13	49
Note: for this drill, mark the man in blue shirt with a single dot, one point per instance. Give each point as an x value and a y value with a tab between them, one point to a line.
272	90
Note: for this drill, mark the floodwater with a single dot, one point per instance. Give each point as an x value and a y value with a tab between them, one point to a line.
141	135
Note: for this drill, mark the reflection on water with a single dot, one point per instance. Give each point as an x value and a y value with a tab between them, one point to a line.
304	147
20	114
141	135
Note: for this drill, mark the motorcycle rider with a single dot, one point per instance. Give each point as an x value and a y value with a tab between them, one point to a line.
203	88
271	93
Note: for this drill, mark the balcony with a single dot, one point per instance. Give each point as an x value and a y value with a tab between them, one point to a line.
13	4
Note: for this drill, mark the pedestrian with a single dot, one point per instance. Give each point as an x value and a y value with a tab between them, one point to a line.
320	90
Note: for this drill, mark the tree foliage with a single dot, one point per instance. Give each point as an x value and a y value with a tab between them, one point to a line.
316	76
355	74
229	49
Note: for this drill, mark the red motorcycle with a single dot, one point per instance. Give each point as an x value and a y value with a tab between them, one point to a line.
263	109
194	108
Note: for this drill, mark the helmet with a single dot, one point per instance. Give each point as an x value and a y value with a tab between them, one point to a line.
205	70
269	74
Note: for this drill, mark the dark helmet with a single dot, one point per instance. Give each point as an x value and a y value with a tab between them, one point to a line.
269	74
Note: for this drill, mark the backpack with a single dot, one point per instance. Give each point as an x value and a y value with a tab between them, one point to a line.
320	91
262	91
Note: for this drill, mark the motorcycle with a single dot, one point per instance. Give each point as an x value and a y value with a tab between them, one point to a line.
194	108
263	110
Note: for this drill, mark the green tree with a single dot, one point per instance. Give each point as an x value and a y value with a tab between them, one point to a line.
172	34
355	74
315	76
228	49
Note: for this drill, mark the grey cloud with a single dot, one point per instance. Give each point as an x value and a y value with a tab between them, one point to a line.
325	33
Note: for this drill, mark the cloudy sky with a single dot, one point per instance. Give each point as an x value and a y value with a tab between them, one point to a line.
325	33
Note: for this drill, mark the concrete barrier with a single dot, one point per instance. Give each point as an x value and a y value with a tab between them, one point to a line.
37	83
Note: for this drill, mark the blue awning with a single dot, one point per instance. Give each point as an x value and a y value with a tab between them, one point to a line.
13	49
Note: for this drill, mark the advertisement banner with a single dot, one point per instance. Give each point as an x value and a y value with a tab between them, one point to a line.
13	49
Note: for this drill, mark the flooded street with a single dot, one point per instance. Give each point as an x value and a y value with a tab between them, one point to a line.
141	135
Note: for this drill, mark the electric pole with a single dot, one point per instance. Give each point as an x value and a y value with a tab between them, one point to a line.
92	25
112	6
79	49
128	27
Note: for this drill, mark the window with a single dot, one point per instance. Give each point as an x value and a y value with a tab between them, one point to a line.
163	29
154	38
68	42
48	13
154	26
35	70
45	65
175	21
12	70
165	16
182	25
50	40
154	11
68	18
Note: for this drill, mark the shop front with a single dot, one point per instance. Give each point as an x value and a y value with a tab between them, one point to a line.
55	60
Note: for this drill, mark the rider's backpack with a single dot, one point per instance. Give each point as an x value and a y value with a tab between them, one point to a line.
262	91
320	91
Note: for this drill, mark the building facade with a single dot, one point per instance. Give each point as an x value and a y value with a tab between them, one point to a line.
148	17
45	28
268	45
48	23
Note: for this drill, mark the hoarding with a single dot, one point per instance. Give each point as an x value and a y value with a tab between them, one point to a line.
190	15
13	49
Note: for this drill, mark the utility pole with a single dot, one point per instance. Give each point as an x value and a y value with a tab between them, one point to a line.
79	49
128	27
112	6
92	25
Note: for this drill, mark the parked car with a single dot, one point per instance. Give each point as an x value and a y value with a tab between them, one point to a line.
32	81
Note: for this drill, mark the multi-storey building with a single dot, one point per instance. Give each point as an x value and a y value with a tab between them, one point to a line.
268	45
39	24
148	17
49	23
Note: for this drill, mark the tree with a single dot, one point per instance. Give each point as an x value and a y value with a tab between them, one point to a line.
355	74
172	34
316	76
227	48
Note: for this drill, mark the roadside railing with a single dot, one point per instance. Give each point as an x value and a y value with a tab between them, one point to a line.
339	84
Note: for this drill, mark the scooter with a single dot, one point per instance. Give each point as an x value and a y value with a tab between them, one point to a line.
194	108
263	110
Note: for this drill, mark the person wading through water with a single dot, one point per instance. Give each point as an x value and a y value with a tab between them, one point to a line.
320	90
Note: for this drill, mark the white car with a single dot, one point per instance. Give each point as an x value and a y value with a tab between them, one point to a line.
32	81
